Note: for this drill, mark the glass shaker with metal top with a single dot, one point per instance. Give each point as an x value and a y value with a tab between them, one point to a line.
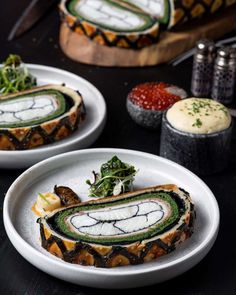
203	68
224	75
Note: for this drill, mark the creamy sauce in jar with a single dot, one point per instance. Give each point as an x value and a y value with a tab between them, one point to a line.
199	116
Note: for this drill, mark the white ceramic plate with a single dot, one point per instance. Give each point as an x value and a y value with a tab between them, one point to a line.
88	131
72	169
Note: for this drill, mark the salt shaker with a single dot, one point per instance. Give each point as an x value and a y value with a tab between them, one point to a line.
203	68
224	75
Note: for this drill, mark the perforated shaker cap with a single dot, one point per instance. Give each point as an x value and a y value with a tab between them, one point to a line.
205	46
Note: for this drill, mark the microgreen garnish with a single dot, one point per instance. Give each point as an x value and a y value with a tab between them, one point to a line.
14	76
115	177
44	198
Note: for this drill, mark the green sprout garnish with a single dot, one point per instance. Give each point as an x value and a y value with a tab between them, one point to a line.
44	198
115	177
14	76
198	123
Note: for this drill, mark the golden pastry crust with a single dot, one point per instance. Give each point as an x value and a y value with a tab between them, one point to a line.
138	252
47	132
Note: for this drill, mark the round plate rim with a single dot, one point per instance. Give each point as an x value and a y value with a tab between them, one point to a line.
68	141
101	271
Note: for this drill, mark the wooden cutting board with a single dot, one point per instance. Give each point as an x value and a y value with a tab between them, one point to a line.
171	44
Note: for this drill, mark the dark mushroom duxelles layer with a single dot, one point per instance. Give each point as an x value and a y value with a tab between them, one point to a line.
128	229
39	116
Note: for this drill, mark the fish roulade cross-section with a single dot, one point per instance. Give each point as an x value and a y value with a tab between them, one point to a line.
39	116
133	23
128	229
110	23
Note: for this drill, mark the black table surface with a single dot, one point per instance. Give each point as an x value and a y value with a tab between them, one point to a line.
216	273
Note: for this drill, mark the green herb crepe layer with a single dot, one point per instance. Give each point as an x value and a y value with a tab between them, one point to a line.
38	116
127	229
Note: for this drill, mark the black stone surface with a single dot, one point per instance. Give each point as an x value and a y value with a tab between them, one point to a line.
216	273
203	154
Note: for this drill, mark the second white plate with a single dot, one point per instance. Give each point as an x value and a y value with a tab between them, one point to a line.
72	169
88	131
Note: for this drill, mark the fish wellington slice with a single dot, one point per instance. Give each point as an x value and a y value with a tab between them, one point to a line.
110	22
128	229
39	116
133	23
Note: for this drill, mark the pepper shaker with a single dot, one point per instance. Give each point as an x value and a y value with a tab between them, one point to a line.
224	75
203	68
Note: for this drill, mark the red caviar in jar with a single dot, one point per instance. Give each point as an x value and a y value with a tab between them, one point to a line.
156	95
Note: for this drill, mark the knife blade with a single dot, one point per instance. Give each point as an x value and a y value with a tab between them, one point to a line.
30	16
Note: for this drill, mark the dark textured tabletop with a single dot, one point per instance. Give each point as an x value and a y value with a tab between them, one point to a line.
216	273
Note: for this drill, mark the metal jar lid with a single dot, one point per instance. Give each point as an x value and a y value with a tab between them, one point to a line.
205	49
226	57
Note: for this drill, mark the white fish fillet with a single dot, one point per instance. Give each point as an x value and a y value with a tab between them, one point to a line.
119	220
29	108
101	12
